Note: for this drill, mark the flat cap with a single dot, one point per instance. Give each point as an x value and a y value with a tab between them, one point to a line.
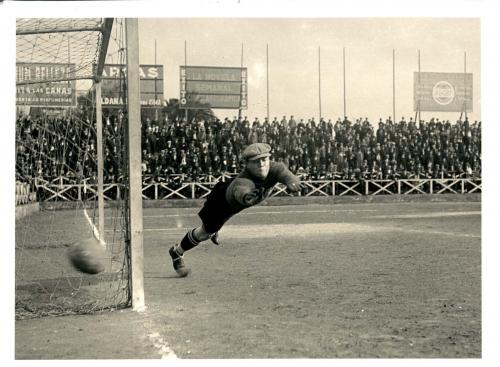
256	150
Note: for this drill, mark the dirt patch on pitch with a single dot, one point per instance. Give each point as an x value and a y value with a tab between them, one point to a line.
367	289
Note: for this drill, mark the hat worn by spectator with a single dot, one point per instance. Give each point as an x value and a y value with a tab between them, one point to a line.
256	151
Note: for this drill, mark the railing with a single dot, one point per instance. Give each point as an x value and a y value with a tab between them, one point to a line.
60	191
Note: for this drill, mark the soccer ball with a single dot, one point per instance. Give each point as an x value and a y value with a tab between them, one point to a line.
87	256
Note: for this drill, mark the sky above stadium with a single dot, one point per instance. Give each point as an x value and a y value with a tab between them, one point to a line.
295	67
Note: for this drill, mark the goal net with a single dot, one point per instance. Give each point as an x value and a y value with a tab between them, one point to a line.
58	62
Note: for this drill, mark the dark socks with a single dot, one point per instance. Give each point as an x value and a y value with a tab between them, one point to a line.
187	243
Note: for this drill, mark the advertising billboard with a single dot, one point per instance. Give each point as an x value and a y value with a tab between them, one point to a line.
52	91
445	92
113	85
213	87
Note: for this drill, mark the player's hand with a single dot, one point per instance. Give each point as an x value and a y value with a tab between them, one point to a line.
295	187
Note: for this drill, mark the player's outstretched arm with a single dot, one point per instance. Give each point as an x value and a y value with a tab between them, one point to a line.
295	187
243	192
286	177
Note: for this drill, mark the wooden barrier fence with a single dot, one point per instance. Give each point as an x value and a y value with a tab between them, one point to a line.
59	190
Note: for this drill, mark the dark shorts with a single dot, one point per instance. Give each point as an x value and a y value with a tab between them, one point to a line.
216	211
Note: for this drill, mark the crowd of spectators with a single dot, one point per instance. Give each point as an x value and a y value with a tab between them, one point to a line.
50	147
317	150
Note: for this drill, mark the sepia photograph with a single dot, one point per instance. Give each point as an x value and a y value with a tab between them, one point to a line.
292	185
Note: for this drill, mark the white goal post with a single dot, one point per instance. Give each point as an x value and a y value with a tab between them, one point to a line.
135	172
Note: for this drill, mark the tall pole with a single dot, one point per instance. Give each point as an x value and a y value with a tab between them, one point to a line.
156	108
69	60
267	78
394	85
134	156
239	109
319	80
465	85
417	113
185	68
100	161
343	66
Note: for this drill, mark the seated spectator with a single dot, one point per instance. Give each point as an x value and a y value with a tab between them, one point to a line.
49	147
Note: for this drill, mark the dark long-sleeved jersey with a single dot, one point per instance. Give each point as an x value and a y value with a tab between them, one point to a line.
247	190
